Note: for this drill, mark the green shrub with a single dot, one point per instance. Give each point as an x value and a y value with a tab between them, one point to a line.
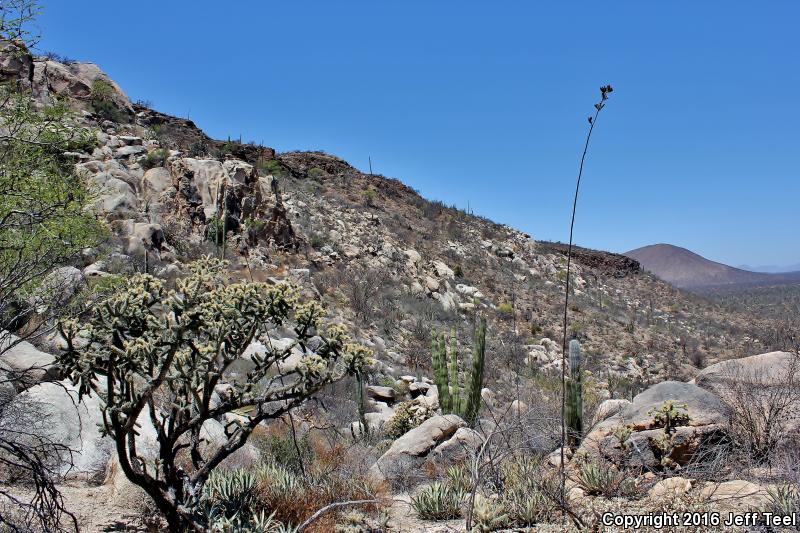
438	501
155	158
101	100
505	309
272	167
316	173
284	452
369	195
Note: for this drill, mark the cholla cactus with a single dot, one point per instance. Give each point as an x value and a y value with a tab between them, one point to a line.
669	415
151	352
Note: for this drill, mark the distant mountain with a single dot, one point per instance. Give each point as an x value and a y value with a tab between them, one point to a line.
688	270
772	269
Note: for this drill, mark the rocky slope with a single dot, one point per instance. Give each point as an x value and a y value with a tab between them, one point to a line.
385	261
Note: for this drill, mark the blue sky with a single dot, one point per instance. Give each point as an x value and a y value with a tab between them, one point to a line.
485	103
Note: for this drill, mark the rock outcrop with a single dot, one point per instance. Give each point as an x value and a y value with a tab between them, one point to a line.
708	416
402	462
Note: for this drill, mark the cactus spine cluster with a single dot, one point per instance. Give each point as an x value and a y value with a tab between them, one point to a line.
574	416
445	369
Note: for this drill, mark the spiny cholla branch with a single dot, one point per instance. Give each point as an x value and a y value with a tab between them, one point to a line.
156	355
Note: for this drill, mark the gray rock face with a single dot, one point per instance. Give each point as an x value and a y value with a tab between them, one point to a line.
708	417
402	461
155	181
458	448
51	412
22	365
144	237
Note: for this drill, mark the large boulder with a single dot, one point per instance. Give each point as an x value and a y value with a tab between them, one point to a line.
53	413
706	426
22	365
200	181
766	369
402	462
609	408
736	496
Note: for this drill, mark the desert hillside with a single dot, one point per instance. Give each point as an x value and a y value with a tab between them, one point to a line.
255	336
688	270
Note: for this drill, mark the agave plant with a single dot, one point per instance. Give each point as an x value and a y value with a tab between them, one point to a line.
438	501
488	514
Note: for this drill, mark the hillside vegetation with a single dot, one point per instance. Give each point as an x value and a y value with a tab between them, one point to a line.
250	337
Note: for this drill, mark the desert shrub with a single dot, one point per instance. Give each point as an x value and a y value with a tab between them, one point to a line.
316	240
369	196
155	158
505	309
287	451
762	408
406	417
272	167
101	100
281	497
438	501
316	173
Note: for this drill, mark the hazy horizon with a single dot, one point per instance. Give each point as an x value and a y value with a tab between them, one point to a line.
485	105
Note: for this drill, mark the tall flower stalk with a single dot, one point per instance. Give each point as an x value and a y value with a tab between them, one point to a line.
604	92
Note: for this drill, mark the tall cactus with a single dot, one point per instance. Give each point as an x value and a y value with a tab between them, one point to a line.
455	386
475	382
574	416
439	360
362	408
445	369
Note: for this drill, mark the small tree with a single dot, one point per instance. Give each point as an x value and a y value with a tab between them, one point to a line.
149	352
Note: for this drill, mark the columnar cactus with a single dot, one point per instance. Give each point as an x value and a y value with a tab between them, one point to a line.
455	386
445	369
574	416
439	360
475	383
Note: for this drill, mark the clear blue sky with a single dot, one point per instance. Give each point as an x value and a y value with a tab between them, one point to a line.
486	103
